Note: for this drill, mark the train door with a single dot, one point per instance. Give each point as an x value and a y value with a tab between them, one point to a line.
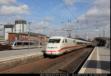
64	45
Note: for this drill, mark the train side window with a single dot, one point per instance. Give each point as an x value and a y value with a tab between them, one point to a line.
65	40
26	43
19	43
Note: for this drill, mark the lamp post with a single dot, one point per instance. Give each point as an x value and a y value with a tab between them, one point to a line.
68	29
29	23
98	32
77	29
3	30
103	32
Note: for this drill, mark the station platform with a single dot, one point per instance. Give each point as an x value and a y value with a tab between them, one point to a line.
12	58
98	62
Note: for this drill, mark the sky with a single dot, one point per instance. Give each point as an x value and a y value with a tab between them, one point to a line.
52	17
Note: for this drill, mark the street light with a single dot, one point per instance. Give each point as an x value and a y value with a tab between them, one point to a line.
98	31
68	29
29	23
2	30
103	32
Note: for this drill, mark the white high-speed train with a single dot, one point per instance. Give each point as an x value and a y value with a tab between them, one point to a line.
59	45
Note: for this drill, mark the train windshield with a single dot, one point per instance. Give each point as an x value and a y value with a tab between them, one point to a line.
54	41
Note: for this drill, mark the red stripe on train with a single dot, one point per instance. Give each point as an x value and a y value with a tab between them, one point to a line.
64	48
51	51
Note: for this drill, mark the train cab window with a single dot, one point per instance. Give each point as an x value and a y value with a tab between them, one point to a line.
54	41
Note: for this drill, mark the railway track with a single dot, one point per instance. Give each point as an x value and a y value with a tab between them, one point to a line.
71	64
68	63
76	64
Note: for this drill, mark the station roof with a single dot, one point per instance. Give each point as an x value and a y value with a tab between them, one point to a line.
103	38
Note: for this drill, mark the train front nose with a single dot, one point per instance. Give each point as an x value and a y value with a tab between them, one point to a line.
52	50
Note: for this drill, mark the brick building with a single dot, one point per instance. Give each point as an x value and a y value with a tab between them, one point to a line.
41	39
19	31
20	26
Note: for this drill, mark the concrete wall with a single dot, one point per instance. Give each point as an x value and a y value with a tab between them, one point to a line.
20	28
7	30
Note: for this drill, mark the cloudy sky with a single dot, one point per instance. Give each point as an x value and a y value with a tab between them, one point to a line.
52	17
